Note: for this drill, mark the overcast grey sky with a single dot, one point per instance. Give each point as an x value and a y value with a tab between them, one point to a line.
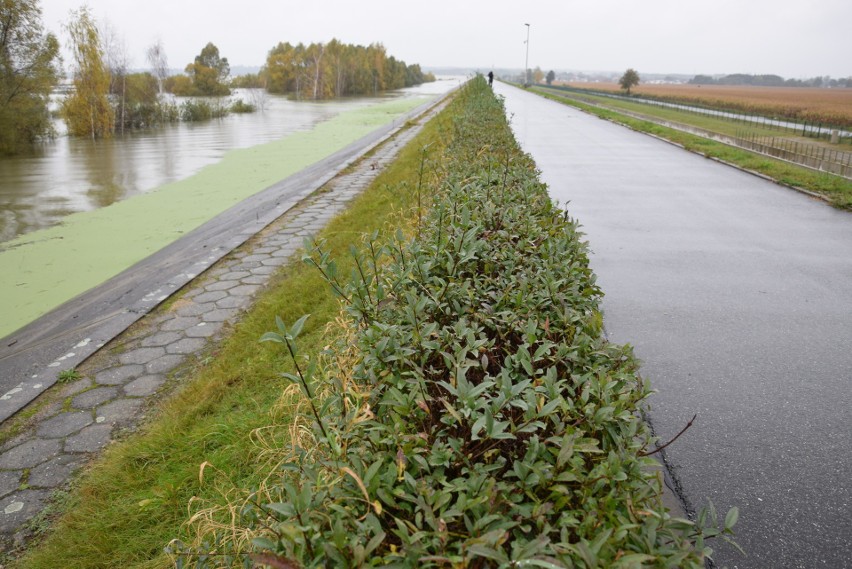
792	38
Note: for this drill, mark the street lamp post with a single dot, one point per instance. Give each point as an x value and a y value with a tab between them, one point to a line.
527	61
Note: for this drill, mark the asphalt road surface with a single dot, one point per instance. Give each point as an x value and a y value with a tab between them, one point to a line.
737	296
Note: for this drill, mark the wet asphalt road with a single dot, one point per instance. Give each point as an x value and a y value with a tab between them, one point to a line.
737	296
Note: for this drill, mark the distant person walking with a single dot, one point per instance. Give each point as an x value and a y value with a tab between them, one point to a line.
490	78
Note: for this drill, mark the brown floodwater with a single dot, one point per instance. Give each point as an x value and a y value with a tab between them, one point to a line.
70	175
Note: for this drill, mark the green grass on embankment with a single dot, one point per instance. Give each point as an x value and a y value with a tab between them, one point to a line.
835	189
134	500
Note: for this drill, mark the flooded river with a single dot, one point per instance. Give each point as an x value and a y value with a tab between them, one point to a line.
80	213
70	175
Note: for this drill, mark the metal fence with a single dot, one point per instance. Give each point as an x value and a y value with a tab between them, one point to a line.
800	128
810	155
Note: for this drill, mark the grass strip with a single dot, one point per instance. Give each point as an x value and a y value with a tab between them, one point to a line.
835	189
472	413
133	500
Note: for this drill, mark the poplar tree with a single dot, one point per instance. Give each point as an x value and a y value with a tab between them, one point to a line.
87	111
29	70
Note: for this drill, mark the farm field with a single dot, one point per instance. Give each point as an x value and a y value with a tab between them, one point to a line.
814	105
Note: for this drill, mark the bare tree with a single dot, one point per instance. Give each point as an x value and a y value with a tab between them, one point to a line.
156	55
117	62
259	96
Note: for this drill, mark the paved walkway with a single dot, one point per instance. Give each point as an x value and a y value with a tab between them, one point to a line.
737	296
82	417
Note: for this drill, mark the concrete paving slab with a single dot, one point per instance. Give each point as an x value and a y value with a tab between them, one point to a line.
142	355
10	480
144	386
119	375
55	472
19	507
93	398
181	323
164	364
64	424
30	454
91	439
117	412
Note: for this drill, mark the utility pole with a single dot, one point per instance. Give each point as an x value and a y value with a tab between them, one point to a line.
527	61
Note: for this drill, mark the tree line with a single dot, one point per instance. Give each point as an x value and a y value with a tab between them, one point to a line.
107	98
769	81
336	69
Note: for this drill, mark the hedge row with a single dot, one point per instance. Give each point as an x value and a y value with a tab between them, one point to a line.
481	419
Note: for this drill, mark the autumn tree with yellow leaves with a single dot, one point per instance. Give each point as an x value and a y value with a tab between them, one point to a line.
87	111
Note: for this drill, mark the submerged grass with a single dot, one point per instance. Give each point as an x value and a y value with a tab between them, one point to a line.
835	189
133	500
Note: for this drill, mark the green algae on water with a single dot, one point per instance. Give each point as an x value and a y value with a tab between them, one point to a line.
41	270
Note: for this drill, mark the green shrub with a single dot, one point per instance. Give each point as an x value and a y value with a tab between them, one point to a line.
477	417
193	110
240	106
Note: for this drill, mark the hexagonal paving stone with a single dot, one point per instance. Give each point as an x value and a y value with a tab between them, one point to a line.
119	411
247	266
9	481
30	454
263	250
119	375
293	227
93	398
255	258
211	296
91	439
234	302
203	330
221	314
193	309
283	240
255	280
77	386
141	355
275	261
235	275
64	424
164	364
244	290
160	339
189	345
180	324
54	472
286	251
221	285
263	270
18	507
144	386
